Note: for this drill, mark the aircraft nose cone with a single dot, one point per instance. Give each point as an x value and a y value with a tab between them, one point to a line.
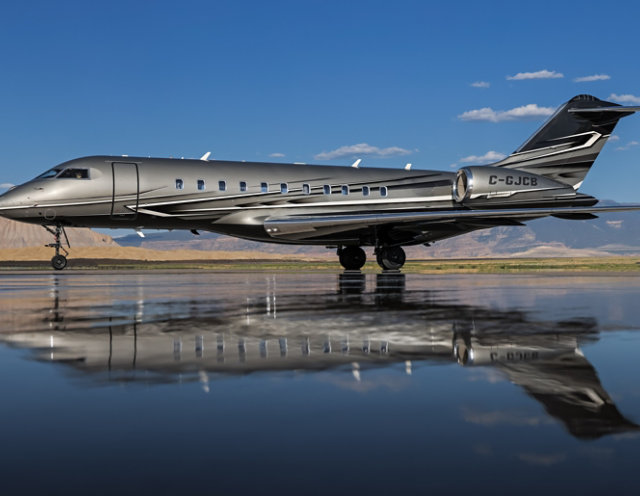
9	204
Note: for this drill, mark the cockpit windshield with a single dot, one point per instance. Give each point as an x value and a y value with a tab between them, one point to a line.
69	173
50	173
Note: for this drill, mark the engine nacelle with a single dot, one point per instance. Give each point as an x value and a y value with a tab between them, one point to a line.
485	182
533	348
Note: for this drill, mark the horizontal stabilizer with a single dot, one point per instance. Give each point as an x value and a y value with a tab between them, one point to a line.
578	216
617	108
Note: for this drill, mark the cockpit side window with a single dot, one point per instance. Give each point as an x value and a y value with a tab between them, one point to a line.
74	174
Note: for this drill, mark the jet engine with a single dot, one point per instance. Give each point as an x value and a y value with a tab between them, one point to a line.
526	349
478	184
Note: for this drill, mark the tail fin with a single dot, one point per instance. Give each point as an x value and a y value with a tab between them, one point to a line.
567	144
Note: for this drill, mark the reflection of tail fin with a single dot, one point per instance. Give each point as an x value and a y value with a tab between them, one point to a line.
567	144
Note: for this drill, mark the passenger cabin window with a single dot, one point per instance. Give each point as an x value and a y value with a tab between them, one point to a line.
383	191
284	188
264	187
201	185
75	174
179	184
222	185
345	189
306	189
365	191
326	189
243	186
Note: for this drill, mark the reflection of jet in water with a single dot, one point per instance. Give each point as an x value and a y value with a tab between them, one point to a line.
553	370
351	330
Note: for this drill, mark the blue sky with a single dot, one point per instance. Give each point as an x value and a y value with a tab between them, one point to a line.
310	81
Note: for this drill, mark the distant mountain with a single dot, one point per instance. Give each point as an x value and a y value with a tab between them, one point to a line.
21	235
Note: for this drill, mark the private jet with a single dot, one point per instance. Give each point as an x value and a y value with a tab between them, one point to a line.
343	208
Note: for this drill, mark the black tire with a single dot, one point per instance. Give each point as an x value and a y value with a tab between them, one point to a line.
391	258
352	258
59	262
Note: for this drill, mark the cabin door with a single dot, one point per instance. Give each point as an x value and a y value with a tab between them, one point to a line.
126	191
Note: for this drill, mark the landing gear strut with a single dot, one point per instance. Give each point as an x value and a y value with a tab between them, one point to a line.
390	257
58	261
352	257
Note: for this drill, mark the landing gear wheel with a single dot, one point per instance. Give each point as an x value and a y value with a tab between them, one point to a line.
59	262
352	257
391	257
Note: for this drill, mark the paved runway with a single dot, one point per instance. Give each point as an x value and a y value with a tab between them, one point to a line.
165	381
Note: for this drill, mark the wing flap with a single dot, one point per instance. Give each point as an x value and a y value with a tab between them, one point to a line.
302	227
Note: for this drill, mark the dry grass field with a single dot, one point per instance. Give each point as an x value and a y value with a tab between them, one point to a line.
116	257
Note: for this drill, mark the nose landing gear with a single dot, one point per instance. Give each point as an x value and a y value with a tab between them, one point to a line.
58	261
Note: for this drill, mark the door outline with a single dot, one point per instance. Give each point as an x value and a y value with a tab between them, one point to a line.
123	169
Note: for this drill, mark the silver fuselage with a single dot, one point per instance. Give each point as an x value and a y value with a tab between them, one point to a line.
226	197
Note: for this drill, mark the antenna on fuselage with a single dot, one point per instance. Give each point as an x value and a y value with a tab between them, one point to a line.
206	156
356	163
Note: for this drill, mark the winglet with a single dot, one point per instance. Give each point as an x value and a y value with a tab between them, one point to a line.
356	163
407	167
206	156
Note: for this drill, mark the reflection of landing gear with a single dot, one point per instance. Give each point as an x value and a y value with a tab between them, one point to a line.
58	261
390	282
390	257
352	257
390	287
351	282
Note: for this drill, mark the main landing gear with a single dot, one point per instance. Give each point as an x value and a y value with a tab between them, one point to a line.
58	261
388	257
352	257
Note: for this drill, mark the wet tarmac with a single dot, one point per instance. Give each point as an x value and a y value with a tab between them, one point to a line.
318	383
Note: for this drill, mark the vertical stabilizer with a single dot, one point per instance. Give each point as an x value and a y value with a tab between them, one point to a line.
567	144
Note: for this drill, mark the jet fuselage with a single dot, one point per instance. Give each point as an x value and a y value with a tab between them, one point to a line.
226	197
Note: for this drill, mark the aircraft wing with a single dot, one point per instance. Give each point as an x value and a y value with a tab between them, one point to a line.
308	226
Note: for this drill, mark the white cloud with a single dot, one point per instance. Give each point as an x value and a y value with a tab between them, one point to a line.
595	77
614	137
544	74
361	149
531	111
500	417
615	224
481	84
6	185
543	460
629	145
490	156
276	155
624	98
